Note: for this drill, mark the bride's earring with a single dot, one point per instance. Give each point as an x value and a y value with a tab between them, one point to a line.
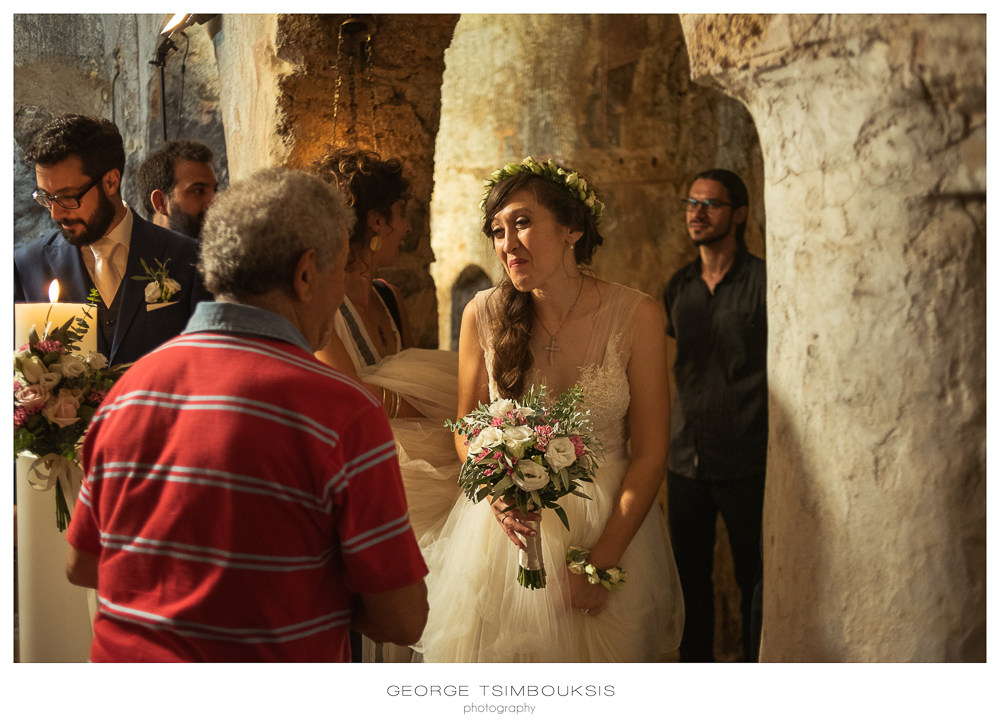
376	243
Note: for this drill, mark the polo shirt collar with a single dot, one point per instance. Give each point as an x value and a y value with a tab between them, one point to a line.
734	271
234	318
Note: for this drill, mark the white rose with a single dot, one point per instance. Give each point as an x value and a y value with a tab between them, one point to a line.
69	366
153	292
49	380
518	439
489	437
96	360
614	575
560	453
33	368
534	475
501	407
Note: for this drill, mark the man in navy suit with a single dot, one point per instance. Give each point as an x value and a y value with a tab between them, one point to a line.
101	244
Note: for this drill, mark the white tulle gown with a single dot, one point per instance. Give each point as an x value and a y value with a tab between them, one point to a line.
478	611
428	379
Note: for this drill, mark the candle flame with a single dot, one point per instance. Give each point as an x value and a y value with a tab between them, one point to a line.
54	291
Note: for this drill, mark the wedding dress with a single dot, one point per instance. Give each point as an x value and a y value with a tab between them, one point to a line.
479	612
425	448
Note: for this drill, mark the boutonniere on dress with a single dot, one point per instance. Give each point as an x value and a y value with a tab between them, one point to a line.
161	287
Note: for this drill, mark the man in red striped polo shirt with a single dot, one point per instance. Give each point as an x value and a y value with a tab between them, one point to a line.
242	501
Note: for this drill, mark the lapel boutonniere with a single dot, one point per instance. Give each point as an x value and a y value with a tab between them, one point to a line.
161	287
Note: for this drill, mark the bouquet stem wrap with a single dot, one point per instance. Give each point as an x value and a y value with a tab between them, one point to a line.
531	570
65	475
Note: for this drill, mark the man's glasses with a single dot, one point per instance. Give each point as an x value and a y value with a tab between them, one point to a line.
67	202
692	205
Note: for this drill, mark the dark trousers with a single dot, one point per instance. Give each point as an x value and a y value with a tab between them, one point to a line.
693	506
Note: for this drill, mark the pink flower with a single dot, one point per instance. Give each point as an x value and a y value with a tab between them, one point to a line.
17	385
97	396
48	345
578	447
32	398
497	422
20	416
497	455
63	410
23	348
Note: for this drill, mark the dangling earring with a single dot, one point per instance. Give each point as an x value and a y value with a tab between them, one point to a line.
376	243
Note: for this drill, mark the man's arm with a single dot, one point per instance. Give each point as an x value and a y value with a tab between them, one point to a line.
396	617
81	568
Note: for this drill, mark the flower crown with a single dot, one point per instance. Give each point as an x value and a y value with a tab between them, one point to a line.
548	170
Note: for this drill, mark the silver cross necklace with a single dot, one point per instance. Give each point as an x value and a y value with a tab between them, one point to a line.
552	349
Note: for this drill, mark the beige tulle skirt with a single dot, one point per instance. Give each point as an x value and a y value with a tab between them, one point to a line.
479	612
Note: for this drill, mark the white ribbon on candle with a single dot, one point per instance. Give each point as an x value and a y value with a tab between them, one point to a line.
54	469
530	557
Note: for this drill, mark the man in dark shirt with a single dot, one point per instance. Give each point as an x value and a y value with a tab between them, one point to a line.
718	437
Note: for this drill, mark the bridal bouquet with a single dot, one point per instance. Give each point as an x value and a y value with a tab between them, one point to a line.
56	392
531	452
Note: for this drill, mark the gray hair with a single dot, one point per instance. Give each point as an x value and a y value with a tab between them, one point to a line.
257	230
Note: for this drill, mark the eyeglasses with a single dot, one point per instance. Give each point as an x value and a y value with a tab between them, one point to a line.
692	205
67	202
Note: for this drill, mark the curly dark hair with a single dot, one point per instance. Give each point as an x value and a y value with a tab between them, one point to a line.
368	182
157	171
513	317
96	141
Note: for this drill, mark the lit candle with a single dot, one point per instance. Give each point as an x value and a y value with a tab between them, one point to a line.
45	317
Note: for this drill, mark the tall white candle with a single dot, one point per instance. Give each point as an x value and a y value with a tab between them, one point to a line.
35	314
55	616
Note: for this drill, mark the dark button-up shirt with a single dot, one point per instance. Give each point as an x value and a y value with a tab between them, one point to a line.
718	426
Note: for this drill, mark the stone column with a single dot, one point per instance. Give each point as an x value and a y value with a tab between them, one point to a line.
873	131
250	73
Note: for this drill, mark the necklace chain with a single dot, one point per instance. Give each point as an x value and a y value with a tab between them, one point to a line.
552	349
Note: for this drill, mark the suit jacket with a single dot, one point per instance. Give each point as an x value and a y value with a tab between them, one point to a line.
138	329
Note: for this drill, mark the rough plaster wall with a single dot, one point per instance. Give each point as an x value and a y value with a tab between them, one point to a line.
99	65
873	132
407	57
250	71
280	80
613	96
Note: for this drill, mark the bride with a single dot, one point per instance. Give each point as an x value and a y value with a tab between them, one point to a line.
549	322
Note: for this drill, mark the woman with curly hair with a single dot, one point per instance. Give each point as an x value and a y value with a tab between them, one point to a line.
550	322
373	342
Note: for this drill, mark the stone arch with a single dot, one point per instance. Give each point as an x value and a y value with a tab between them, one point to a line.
873	130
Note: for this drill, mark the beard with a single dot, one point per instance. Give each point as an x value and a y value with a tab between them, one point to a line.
720	234
186	223
93	228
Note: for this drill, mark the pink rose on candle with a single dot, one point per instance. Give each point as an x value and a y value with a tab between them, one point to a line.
63	410
32	397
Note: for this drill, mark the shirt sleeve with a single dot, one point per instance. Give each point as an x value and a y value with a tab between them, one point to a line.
379	549
83	532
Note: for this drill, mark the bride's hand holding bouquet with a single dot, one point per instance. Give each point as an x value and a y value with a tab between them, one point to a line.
524	456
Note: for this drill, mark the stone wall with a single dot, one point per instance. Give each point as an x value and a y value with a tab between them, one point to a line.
873	130
99	65
610	95
280	77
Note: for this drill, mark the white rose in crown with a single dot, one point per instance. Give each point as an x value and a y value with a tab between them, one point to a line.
489	437
155	292
560	453
69	366
533	476
517	439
